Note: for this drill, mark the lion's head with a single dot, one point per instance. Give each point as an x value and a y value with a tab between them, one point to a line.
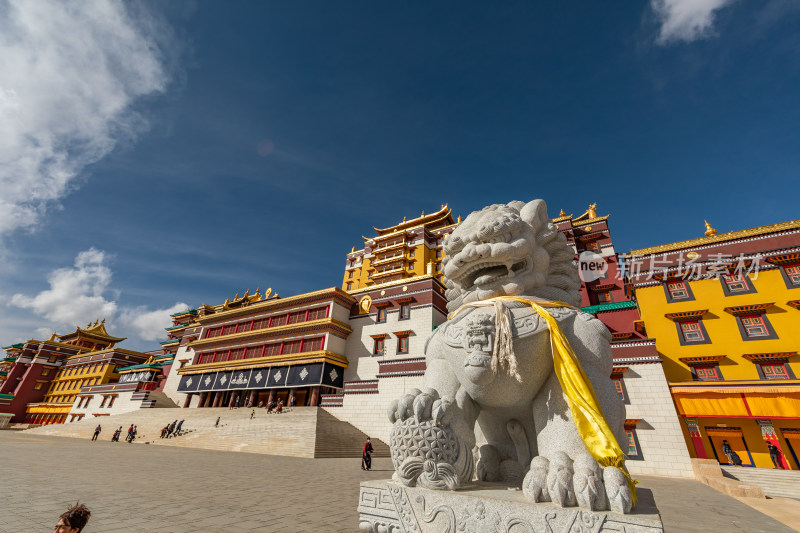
509	250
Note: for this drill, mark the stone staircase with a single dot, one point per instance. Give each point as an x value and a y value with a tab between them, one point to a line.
335	438
297	432
775	483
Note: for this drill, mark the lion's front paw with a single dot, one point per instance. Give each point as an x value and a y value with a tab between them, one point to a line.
422	405
620	498
581	482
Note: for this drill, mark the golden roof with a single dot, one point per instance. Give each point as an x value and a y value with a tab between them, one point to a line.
96	330
442	214
717	238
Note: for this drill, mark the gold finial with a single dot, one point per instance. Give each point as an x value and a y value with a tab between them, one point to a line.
103	321
709	230
423	213
269	291
458	220
52	337
592	210
404	219
562	213
353	250
89	324
236	297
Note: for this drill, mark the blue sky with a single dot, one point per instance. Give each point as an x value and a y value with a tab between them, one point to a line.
157	155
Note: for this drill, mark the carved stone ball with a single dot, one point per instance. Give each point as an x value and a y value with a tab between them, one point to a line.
424	440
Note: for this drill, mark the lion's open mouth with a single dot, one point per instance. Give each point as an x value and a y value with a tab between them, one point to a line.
487	273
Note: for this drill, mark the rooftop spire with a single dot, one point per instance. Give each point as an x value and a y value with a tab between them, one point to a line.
709	230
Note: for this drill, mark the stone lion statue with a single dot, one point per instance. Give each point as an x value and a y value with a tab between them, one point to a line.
492	407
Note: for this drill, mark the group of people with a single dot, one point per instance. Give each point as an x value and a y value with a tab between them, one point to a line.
275	406
171	430
735	460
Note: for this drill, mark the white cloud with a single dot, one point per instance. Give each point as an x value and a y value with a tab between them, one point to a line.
75	295
686	20
79	295
69	73
148	325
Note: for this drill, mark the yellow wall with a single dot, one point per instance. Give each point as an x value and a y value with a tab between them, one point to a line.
722	327
68	382
422	255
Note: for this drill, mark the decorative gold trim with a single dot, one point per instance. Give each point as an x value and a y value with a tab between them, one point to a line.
720	237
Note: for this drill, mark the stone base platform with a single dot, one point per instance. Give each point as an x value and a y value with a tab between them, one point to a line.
390	507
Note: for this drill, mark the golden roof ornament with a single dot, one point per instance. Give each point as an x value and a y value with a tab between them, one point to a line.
562	213
353	250
709	230
423	213
592	210
459	219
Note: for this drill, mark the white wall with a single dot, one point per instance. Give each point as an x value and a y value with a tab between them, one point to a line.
659	432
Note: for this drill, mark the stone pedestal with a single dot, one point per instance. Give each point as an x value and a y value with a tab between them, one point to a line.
390	507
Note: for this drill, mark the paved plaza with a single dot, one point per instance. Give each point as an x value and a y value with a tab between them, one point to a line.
140	487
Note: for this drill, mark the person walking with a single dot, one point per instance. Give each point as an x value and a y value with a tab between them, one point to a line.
237	402
171	428
726	449
130	432
97	431
132	435
178	429
775	455
366	456
252	414
115	436
216	424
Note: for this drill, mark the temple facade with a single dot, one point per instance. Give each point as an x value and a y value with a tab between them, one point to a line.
723	309
47	377
258	348
394	317
406	250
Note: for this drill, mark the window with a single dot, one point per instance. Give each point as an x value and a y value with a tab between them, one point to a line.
593	246
692	331
349	285
402	344
791	275
706	373
297	317
379	346
350	275
381	315
312	345
634	450
227	330
272	349
236	354
678	291
604	297
291	347
405	311
619	386
438	254
774	371
38	385
411	252
45	371
735	283
755	327
244	326
111	401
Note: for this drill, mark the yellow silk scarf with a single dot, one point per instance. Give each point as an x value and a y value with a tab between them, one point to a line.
589	419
